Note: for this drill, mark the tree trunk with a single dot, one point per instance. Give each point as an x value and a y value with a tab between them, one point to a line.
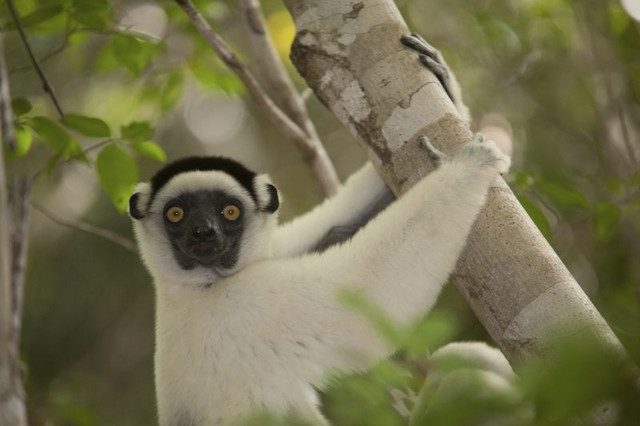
351	56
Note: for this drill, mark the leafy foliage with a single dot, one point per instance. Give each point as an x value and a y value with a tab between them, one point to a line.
118	174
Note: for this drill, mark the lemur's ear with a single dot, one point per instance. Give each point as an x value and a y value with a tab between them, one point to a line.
267	194
274	201
138	202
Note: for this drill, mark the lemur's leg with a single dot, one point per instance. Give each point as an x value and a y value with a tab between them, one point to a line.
433	59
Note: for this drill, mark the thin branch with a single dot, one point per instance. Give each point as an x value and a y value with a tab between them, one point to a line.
88	228
65	43
46	85
276	115
284	92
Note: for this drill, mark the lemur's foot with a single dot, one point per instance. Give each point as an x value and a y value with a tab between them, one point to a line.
485	154
432	59
436	156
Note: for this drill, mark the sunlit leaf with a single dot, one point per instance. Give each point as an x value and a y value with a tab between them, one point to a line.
57	138
118	174
150	150
51	133
536	215
42	14
137	131
20	106
133	53
607	216
88	126
24	140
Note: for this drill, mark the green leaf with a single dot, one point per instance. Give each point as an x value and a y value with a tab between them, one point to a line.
133	53
118	174
39	16
52	134
537	216
137	131
51	163
24	141
565	196
20	106
607	216
150	150
88	126
57	138
92	14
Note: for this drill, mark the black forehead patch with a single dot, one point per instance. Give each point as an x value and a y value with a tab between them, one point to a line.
240	173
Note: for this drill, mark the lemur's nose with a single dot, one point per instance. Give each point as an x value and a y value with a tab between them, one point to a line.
203	233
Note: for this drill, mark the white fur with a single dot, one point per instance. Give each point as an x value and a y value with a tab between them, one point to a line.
265	335
360	191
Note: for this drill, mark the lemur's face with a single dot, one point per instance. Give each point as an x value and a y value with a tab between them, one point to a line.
203	218
205	228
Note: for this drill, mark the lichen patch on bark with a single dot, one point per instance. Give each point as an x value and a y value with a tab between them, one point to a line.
405	121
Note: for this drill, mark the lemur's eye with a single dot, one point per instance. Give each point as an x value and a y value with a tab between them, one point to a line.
175	214
231	212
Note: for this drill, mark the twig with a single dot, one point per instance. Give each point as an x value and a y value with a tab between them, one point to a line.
284	92
276	115
48	88
88	228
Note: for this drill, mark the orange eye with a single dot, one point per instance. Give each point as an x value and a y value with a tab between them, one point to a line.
231	212
175	214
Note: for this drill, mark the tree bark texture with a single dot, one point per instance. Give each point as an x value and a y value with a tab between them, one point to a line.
351	56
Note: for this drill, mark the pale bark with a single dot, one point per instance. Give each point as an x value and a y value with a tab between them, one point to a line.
350	54
12	408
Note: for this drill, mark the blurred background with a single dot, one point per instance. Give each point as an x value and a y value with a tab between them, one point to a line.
557	82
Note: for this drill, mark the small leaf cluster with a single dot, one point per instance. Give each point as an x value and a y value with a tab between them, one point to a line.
116	168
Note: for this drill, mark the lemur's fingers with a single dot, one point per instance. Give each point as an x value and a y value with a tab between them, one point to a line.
420	45
484	154
478	138
440	71
432	59
436	156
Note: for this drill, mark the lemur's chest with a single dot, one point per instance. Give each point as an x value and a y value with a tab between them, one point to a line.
215	360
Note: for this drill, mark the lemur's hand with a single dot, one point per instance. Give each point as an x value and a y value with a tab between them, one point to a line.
432	59
436	156
483	153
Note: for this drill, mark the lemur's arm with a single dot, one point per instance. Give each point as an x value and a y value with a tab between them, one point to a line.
399	261
364	195
337	219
